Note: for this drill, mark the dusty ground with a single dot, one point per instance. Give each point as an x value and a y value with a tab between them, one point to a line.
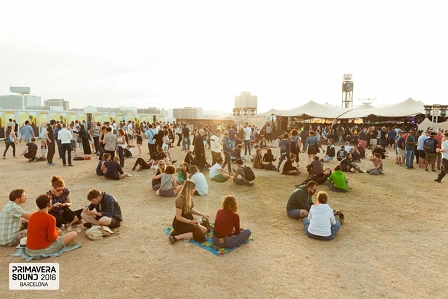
393	244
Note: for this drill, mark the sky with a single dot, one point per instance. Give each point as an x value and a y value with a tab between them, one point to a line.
174	54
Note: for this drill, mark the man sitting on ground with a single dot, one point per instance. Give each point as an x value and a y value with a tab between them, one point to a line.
102	210
301	200
217	173
240	171
13	219
199	178
330	153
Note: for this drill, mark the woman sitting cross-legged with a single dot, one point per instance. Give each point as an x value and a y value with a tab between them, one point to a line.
168	183
268	158
227	232
184	224
157	176
320	223
289	168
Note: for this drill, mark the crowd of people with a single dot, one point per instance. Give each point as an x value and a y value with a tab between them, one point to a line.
223	148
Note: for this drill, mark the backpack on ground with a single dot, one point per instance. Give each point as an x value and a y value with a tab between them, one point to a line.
249	173
429	145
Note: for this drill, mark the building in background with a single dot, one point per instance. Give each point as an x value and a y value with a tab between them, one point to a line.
15	101
58	103
245	106
188	113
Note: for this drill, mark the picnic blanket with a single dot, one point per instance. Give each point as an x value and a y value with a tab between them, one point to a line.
208	245
21	252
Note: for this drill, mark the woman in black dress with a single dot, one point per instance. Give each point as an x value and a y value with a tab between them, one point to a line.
84	135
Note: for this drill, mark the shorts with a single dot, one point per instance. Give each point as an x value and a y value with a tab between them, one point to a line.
54	247
219	178
430	157
363	143
401	153
373	141
114	223
421	154
130	136
165	147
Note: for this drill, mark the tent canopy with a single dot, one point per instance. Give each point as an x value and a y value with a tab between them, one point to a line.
310	109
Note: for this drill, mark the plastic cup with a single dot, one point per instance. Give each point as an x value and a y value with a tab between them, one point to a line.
187	242
78	229
69	227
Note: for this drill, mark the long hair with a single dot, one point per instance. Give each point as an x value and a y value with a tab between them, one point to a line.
229	203
8	131
185	194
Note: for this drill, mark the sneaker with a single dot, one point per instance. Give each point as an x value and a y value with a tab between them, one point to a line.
140	169
426	169
129	174
87	225
433	170
133	169
172	239
71	165
64	165
437	180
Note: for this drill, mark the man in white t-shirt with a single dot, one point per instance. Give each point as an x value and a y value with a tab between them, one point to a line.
199	178
247	132
217	173
444	151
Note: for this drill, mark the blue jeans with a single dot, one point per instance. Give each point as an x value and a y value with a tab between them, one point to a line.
410	158
294	214
186	144
333	188
232	241
334	230
281	159
246	146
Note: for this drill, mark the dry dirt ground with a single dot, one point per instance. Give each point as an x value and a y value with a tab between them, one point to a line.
392	245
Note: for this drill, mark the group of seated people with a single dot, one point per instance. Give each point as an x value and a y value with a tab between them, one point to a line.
265	161
43	228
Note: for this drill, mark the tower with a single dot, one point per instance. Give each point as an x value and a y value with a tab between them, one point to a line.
347	91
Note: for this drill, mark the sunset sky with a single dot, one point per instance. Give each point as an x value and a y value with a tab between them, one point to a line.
172	54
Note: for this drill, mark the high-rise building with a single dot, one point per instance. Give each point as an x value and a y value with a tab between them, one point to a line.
15	101
188	113
58	102
246	100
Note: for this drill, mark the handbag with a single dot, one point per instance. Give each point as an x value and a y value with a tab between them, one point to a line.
7	141
158	190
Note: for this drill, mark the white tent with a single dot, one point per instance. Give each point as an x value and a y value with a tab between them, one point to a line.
310	109
427	123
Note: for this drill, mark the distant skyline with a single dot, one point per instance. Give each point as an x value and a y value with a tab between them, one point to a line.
172	54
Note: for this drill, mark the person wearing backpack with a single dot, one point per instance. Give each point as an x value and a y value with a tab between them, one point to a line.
243	175
295	142
285	149
430	146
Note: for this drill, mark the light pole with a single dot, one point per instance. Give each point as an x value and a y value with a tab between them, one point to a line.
433	112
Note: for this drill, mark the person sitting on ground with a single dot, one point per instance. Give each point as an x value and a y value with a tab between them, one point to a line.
348	148
112	170
263	144
168	183
13	219
315	167
289	168
199	178
227	232
301	200
268	158
341	153
184	224
319	178
218	174
356	155
348	165
99	171
103	210
241	172
157	176
183	173
43	151
161	155
189	157
61	201
320	223
143	164
330	153
236	153
258	159
378	149
30	150
337	181
43	235
361	150
377	165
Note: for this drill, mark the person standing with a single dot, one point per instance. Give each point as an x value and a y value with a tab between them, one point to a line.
186	138
51	142
65	137
13	218
269	132
444	151
227	150
150	132
409	147
215	145
27	132
199	149
110	142
247	134
10	140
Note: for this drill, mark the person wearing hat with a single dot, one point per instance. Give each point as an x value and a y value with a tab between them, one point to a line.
444	152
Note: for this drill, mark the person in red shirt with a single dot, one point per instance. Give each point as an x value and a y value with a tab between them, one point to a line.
227	232
43	235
